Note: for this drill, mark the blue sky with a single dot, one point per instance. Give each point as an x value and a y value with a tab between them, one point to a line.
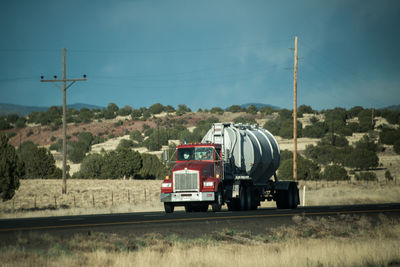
202	53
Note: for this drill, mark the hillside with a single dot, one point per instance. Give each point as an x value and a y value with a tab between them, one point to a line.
158	126
25	110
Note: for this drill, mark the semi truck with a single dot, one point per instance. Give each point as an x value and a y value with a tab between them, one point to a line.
234	164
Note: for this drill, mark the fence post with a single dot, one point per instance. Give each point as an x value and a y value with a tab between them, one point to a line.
145	197
112	198
13	206
55	201
74	202
304	195
34	202
93	199
129	199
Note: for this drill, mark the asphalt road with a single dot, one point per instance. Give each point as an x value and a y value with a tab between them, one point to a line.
189	224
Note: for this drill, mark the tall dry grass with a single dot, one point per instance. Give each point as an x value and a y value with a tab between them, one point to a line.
344	241
43	197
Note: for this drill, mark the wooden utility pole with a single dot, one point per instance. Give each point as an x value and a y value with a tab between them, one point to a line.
64	91
295	112
372	118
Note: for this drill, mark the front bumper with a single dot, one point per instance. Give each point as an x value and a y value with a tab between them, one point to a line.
187	197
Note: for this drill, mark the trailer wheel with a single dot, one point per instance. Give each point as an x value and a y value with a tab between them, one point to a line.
216	206
287	199
295	197
233	205
250	198
204	208
242	198
281	199
169	208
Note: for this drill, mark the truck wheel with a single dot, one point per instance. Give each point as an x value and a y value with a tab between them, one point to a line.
169	208
233	205
281	199
242	198
204	208
287	199
188	208
295	196
216	206
249	198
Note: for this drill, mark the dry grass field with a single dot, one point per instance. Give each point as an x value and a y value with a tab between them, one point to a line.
344	241
43	197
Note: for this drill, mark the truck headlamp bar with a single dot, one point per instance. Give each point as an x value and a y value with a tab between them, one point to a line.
208	184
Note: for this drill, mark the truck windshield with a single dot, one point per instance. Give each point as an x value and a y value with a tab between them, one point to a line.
195	153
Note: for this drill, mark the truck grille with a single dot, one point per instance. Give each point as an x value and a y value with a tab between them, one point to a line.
186	180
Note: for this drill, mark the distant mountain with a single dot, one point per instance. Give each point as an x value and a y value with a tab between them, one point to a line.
394	107
258	105
25	110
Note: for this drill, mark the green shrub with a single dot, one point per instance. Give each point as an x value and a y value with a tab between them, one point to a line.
125	143
234	109
365	120
317	130
29	133
118	123
11	169
11	134
366	143
245	120
21	122
304	109
365	176
306	169
389	136
252	110
121	163
152	168
91	167
362	159
125	111
39	163
388	176
335	173
4	125
136	136
396	146
334	140
156	108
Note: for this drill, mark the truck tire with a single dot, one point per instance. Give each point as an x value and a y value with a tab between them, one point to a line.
295	197
169	208
287	199
233	205
204	208
242	198
217	205
188	208
249	198
281	199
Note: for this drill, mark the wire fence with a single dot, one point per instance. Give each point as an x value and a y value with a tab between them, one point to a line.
98	199
106	198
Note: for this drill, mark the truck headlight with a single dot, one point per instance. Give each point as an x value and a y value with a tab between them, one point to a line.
208	184
166	185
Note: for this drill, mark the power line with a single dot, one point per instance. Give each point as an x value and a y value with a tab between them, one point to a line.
148	51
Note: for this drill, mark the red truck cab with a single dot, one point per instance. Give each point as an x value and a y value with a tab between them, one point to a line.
196	179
